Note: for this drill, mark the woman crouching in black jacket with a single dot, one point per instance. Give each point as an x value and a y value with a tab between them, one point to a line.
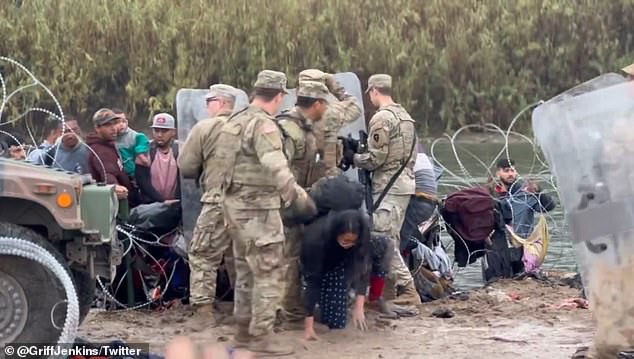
335	255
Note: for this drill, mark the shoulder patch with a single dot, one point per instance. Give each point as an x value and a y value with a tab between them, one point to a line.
268	127
232	128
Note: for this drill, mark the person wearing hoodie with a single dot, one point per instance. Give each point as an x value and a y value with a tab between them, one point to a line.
104	160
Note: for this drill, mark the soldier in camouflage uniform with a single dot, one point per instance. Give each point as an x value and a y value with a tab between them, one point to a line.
258	183
390	138
210	239
310	130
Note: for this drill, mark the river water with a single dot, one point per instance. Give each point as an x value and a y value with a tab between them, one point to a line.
469	166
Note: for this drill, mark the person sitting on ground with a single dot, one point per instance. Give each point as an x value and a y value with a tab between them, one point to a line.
11	145
423	203
525	199
70	153
132	145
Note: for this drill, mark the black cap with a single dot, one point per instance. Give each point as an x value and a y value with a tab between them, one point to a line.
505	163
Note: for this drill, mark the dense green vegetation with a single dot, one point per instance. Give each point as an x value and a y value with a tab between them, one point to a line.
454	62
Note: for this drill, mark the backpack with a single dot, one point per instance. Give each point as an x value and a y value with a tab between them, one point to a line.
471	213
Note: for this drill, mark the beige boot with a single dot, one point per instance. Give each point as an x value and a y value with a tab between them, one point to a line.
203	315
267	346
242	339
409	296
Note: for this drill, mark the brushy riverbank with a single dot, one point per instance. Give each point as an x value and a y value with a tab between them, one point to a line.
454	62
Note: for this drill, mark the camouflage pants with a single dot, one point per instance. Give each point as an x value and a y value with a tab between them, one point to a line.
292	305
387	220
258	248
210	241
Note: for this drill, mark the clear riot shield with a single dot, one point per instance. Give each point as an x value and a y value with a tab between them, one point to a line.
587	135
191	108
351	83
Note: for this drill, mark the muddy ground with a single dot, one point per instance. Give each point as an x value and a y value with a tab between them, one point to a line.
509	319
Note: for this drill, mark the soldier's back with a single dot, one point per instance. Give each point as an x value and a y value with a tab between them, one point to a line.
303	147
402	136
242	140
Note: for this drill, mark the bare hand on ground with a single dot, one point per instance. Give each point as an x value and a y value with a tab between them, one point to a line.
358	319
309	334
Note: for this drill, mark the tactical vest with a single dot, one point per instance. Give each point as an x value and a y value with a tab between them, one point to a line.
402	135
307	165
237	158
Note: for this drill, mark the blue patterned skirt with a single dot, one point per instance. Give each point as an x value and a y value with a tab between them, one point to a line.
333	299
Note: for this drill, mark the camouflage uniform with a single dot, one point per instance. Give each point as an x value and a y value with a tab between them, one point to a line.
312	155
256	177
391	132
210	239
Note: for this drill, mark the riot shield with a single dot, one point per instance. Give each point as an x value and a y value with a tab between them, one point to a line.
351	83
587	136
191	108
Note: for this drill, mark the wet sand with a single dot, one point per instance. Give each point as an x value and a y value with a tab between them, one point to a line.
509	319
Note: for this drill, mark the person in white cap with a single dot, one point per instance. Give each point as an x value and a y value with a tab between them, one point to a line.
160	181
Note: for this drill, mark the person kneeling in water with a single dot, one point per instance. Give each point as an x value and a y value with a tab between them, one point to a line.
335	254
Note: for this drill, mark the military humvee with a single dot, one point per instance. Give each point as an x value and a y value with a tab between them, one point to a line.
73	219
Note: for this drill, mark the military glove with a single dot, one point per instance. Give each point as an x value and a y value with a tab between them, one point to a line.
335	87
349	143
301	210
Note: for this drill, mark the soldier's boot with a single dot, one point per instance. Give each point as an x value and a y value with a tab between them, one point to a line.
408	296
204	316
242	339
389	291
267	346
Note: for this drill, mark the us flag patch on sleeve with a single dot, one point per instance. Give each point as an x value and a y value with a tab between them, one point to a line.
268	127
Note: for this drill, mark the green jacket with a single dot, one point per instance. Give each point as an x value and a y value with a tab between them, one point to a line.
130	145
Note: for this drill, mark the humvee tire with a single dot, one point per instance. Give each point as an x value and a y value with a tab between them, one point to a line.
34	299
85	287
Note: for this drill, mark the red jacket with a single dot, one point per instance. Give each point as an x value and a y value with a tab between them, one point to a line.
107	167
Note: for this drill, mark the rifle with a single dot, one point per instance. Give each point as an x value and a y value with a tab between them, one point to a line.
365	176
